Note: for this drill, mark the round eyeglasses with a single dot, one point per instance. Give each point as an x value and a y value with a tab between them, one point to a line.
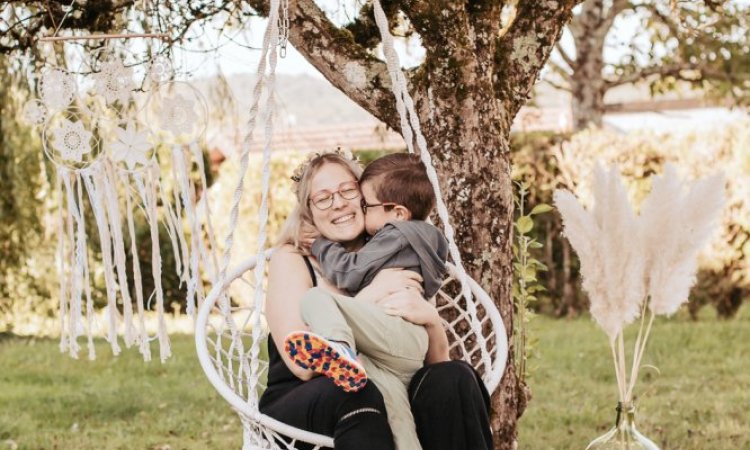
322	200
386	206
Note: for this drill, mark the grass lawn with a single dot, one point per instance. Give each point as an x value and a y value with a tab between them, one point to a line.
50	401
699	401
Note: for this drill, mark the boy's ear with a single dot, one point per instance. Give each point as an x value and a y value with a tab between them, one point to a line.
402	213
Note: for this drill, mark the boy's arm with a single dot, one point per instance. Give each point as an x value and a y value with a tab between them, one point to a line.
350	270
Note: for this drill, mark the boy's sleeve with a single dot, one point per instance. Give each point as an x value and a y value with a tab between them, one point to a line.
353	270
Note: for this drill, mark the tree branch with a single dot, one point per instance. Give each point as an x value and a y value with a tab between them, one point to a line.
523	51
346	64
566	77
565	56
675	70
617	7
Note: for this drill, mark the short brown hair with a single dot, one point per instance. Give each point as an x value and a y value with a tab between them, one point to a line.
401	178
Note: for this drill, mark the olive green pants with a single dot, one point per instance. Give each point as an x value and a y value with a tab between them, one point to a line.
392	350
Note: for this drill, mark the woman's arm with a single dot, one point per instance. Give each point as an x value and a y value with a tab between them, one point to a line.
388	281
288	281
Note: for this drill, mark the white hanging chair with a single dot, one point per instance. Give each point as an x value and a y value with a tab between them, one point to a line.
230	338
238	373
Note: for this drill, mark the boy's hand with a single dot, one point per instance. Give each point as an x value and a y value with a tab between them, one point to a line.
307	236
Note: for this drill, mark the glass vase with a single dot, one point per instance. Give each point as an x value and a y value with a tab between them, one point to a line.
624	435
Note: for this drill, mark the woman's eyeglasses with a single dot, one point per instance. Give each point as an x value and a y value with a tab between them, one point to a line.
386	206
348	190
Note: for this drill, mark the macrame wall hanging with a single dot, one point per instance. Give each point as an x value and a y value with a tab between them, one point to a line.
124	139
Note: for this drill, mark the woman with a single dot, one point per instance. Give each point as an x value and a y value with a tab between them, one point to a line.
448	399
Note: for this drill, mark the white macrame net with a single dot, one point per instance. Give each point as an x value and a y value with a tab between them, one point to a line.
230	335
102	135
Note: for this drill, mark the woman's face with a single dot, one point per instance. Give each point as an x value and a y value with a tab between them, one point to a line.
343	221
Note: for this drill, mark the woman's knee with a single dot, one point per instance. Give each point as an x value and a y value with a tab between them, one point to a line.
446	379
367	399
363	421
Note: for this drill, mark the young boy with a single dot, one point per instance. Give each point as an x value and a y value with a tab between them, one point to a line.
397	198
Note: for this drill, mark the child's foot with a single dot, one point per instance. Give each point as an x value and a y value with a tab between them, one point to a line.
333	359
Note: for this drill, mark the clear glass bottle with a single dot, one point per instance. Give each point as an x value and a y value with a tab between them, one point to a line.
624	435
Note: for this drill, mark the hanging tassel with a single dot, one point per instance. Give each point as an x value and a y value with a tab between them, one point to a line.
86	276
61	257
180	171
210	257
143	339
109	190
92	179
150	191
177	238
77	241
180	230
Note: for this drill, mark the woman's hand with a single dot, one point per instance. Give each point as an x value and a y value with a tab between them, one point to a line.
389	281
410	305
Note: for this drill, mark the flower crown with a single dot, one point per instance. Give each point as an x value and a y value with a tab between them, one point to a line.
300	170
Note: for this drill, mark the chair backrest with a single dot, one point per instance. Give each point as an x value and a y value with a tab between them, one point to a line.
237	365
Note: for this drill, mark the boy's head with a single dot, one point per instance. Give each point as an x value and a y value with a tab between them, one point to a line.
395	187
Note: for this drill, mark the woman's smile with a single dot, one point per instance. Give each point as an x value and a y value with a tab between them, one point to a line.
345	219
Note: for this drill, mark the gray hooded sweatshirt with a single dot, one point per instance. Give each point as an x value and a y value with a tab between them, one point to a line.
409	244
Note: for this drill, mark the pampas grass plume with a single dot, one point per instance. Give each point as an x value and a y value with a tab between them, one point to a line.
627	259
676	221
606	240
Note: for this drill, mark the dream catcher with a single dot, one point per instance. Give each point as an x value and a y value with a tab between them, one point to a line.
125	138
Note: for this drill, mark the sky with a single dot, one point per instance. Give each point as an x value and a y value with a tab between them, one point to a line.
239	52
232	55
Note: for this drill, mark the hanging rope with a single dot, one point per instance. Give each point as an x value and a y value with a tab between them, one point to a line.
409	128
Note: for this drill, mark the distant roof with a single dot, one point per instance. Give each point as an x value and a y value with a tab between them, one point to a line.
372	135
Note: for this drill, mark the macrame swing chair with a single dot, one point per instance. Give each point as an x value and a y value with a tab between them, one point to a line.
229	337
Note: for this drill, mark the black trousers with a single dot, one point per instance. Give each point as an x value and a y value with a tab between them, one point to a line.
449	401
357	421
451	407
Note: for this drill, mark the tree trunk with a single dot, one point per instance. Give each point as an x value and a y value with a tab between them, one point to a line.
587	89
471	85
588	85
470	146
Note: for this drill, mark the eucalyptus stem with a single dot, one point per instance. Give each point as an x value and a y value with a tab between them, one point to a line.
522	310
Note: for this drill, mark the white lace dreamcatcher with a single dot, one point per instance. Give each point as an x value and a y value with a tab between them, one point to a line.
102	131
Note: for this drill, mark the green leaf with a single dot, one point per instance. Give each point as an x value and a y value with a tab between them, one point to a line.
537	263
524	224
535	244
540	209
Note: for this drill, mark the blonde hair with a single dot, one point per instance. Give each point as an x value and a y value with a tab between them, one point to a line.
291	231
